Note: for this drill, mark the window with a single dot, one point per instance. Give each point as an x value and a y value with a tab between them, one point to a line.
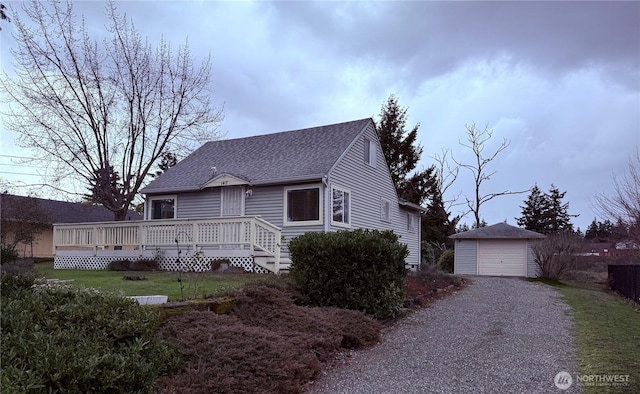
162	207
302	206
369	152
385	210
341	209
411	222
232	201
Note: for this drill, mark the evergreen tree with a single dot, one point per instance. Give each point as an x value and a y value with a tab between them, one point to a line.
436	225
402	152
592	231
619	231
545	212
533	212
167	161
558	218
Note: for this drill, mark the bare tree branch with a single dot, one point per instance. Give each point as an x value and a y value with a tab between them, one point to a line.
446	175
622	202
477	138
111	107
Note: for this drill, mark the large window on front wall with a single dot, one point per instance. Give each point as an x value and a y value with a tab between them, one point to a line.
163	208
341	209
303	206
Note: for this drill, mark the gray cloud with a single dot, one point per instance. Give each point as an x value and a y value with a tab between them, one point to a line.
561	80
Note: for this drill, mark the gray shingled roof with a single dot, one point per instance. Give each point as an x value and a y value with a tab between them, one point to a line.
63	211
499	230
297	155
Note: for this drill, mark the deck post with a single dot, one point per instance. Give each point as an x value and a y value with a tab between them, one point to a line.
252	241
95	235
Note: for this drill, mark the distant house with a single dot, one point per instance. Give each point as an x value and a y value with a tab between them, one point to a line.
16	208
244	199
496	250
601	249
628	245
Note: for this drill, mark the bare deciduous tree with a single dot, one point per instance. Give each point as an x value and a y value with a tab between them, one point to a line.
446	175
477	139
556	254
97	108
622	203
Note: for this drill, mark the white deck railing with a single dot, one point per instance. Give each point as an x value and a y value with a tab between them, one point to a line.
249	234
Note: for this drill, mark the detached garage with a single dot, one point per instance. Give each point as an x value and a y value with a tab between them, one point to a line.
497	250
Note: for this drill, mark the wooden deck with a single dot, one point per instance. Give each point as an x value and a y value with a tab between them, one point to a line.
247	241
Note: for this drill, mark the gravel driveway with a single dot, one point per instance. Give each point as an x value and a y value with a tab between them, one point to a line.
499	335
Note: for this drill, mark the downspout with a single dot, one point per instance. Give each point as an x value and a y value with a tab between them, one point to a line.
325	182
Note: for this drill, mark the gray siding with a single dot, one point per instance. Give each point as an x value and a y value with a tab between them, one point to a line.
368	185
532	267
465	259
268	203
199	205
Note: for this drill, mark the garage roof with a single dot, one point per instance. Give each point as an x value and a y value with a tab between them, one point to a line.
499	230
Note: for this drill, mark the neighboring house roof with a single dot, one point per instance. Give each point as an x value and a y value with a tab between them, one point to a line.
63	211
291	156
499	230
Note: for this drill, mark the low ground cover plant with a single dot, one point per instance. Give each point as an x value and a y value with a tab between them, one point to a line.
57	339
266	344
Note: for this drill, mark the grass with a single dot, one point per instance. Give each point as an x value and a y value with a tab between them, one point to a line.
156	282
607	334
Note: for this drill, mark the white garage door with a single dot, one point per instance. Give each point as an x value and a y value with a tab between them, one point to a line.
502	257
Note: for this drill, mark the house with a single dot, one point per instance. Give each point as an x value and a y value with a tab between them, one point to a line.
40	213
602	249
496	250
244	199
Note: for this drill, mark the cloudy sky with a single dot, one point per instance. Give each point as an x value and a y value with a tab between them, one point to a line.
560	80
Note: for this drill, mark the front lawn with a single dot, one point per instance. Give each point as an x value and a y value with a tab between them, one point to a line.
156	282
607	333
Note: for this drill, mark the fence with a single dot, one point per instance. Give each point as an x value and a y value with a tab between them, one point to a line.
625	279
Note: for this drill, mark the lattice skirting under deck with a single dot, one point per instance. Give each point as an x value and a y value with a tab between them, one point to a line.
165	263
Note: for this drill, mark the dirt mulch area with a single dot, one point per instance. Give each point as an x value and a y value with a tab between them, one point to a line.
423	288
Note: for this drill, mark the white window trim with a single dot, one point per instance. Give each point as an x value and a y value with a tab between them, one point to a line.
340	224
149	205
242	198
318	222
382	203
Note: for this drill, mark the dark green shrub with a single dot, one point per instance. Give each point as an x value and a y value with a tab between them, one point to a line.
361	270
137	265
18	267
445	262
145	265
119	265
11	281
78	341
8	255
